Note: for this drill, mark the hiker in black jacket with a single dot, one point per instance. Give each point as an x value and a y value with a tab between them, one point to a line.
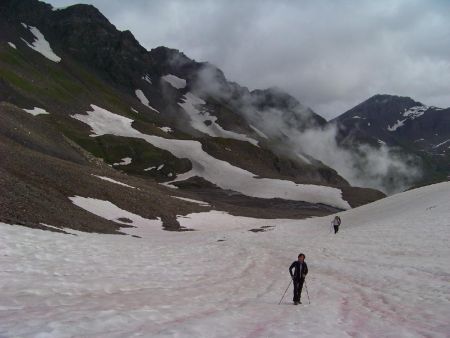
336	222
298	277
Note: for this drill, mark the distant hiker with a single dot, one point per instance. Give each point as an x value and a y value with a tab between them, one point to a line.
298	277
336	222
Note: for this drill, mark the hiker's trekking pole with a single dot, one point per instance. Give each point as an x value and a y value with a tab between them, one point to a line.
285	292
306	287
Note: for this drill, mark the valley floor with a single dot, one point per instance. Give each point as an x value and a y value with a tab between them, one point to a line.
385	274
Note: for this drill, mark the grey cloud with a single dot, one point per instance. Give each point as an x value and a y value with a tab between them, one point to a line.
329	54
381	167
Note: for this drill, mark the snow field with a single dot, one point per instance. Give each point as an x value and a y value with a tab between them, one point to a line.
221	173
385	274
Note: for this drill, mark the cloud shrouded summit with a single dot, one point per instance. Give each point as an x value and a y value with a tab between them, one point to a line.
330	55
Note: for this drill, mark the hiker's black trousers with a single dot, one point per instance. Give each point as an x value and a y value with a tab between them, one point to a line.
336	228
298	286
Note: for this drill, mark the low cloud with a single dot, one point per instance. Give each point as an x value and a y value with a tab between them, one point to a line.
381	168
297	132
329	54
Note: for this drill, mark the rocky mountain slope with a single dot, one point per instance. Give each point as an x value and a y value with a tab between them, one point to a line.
87	111
400	122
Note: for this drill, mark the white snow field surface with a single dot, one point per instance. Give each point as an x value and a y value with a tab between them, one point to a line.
112	212
141	96
385	274
218	172
175	81
36	111
40	44
192	106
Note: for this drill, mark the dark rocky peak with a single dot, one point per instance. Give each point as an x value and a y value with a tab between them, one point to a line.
385	99
275	98
381	107
85	26
32	11
203	76
87	35
169	57
84	14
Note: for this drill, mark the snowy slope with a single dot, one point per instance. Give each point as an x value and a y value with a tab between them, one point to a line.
221	173
207	123
385	274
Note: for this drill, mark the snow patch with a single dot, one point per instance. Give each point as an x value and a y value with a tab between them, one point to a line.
206	123
69	231
166	129
124	161
40	44
134	110
398	124
141	96
303	158
440	144
12	45
259	132
160	167
37	111
175	81
410	114
149	168
203	204
381	142
218	172
415	112
112	212
147	78
113	181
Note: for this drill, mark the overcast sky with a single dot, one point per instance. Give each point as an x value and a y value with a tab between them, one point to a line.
331	55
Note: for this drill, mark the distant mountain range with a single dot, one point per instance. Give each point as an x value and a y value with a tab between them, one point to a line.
87	111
